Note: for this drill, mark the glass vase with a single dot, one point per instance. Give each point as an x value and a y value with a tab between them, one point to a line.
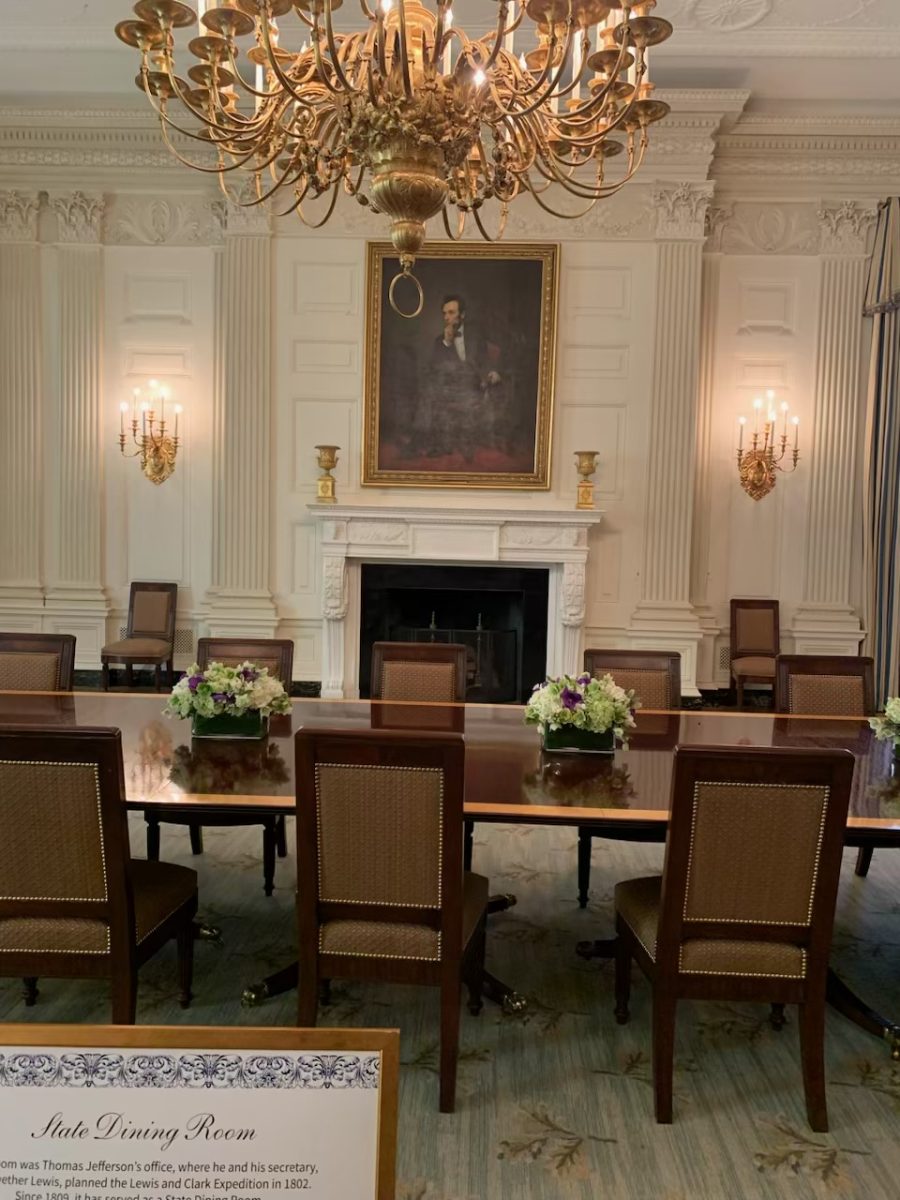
227	725
569	739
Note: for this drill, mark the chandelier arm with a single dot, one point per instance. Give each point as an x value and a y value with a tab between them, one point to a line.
281	76
381	49
552	211
220	169
440	32
298	209
488	237
404	52
168	64
592	107
367	12
333	51
542	97
498	33
460	224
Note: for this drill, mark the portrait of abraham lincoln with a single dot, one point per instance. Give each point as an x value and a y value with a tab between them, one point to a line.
461	395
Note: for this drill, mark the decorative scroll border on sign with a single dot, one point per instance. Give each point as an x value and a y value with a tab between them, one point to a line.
104	1070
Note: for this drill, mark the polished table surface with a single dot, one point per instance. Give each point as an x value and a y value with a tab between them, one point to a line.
508	778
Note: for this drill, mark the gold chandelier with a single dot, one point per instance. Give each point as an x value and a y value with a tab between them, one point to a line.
409	115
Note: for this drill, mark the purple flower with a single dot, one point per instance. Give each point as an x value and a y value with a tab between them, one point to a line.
222	697
570	699
249	674
584	680
194	682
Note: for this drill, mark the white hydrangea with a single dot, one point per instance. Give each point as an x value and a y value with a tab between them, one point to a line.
585	703
218	689
887	728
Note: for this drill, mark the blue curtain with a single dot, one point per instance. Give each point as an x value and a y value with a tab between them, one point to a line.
882	474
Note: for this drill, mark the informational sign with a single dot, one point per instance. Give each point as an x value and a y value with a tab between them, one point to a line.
113	1113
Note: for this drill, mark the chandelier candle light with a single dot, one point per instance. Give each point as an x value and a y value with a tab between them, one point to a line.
758	464
408	115
156	448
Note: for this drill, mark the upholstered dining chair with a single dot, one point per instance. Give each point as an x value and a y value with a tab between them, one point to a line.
827	685
37	662
424	671
655	678
745	905
381	891
149	633
278	657
755	643
74	903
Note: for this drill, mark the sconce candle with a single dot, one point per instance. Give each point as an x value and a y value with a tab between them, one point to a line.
758	464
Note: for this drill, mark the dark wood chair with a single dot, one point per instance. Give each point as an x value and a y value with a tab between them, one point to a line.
278	657
75	904
755	643
828	685
381	892
655	678
745	905
430	672
149	634
37	662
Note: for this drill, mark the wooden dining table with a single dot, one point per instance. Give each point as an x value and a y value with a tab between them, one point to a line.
508	778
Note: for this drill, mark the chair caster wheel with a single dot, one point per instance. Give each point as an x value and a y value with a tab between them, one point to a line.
514	1003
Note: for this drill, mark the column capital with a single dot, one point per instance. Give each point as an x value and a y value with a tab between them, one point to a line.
679	211
845	227
79	216
245	220
18	216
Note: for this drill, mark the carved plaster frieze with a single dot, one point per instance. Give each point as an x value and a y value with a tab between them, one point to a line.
377	533
624	217
571	594
163	221
771	229
78	216
335	595
680	210
18	216
846	227
563	537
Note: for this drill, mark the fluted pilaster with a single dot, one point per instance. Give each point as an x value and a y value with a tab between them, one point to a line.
827	622
20	404
664	613
75	595
240	600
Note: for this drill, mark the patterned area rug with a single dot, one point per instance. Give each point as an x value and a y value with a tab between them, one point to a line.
556	1104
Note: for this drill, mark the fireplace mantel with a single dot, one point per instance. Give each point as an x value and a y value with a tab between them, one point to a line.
352	533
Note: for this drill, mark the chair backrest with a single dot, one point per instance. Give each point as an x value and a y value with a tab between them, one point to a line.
379	830
425	671
276	655
37	662
829	685
754	848
64	848
754	628
654	676
151	610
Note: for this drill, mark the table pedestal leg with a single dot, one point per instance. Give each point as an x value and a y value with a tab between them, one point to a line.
841	997
494	989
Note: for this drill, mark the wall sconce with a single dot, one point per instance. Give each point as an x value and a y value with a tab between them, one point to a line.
757	466
157	450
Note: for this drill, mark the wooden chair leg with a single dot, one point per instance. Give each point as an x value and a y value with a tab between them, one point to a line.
449	1038
623	975
468	843
473	967
196	833
185	963
864	860
777	1018
123	987
152	836
585	845
157	676
739	689
812	1057
30	990
280	837
663	1054
269	856
104	676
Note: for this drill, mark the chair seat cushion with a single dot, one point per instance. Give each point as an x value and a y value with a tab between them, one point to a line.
147	649
159	889
389	939
637	903
754	665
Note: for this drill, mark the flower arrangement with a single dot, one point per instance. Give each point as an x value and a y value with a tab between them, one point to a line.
583	702
218	690
887	728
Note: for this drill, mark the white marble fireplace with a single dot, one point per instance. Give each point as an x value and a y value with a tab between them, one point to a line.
556	539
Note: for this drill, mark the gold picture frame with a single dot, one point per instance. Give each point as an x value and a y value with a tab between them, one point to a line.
462	396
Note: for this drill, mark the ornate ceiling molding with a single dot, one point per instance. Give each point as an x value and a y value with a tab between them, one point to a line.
834	227
18	216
